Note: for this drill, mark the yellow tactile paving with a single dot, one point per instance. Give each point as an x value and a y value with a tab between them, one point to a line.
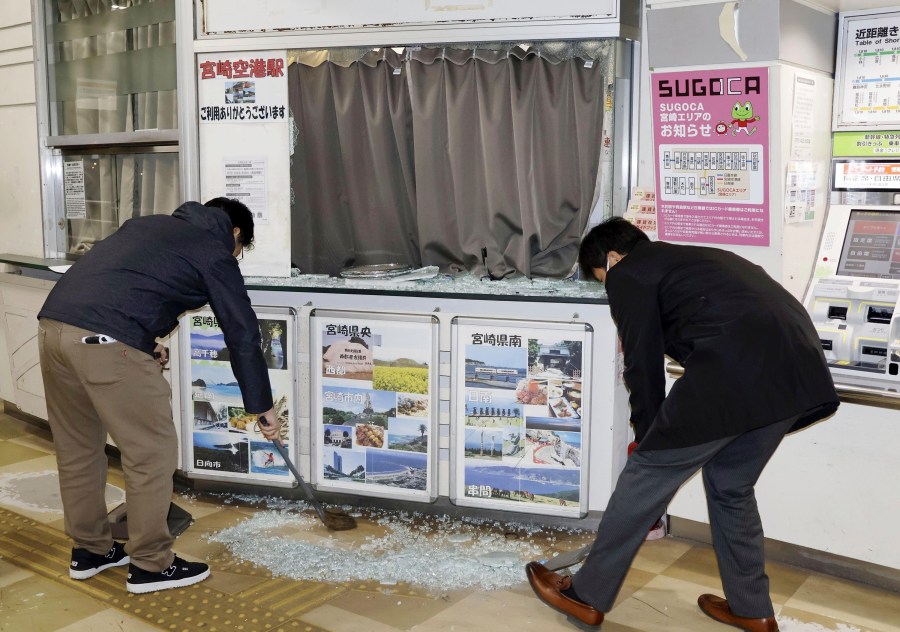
274	604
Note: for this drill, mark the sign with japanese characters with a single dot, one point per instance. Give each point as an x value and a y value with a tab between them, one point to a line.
868	175
519	421
73	186
866	144
225	440
867	87
374	404
711	135
242	87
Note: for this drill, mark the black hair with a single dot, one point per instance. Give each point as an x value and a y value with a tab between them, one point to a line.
614	234
241	217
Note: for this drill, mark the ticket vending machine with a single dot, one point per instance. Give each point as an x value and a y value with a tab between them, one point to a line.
853	296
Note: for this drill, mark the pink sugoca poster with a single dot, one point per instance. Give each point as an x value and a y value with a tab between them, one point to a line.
711	136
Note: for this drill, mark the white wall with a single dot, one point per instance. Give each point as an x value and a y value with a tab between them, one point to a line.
20	187
799	241
831	487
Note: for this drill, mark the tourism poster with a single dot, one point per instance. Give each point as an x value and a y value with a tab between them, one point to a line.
373	410
519	422
224	439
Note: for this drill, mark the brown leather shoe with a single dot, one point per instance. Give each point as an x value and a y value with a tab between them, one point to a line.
717	608
548	586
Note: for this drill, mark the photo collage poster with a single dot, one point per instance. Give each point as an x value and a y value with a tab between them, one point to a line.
225	438
519	416
375	405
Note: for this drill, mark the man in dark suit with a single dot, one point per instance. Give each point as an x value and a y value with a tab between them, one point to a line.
754	370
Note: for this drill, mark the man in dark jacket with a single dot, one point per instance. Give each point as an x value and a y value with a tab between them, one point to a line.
101	367
753	370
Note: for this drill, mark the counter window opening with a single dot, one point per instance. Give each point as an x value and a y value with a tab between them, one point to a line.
487	159
109	116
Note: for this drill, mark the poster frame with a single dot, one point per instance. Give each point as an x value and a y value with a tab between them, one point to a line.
430	494
187	429
457	362
845	23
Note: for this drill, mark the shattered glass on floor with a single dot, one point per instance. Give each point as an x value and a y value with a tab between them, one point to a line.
435	553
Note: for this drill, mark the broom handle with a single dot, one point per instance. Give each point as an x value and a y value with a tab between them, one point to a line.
307	490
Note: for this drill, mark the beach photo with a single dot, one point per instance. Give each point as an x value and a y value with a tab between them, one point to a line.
495	367
557	487
397	469
410	435
215	383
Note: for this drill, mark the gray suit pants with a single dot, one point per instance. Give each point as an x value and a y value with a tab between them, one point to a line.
731	467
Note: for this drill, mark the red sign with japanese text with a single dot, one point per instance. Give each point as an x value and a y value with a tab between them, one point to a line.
249	87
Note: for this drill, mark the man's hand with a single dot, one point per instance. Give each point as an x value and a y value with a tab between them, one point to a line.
269	425
161	354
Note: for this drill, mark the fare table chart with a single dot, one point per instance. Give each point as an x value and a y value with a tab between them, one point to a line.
867	87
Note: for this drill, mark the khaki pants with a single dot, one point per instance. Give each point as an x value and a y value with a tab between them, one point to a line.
92	390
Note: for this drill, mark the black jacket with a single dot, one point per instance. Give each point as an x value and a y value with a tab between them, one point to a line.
750	353
135	284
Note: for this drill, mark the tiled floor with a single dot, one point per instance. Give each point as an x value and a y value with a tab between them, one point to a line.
659	594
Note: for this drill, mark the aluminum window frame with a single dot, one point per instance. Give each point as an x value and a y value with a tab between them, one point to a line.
52	149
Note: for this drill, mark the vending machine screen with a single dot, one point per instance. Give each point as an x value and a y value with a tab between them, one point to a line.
872	245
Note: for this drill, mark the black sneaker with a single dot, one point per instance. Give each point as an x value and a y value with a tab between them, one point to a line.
180	573
86	564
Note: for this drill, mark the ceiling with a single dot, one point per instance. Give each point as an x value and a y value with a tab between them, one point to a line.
853	5
829	5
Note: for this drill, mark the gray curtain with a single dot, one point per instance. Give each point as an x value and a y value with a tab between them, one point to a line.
351	172
487	163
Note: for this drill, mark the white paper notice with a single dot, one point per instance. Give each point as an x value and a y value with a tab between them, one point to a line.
800	192
802	118
73	184
245	181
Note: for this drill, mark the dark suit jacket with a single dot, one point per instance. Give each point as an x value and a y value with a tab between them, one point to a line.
134	284
749	350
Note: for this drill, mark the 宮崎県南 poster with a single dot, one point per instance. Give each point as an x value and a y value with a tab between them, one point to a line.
519	426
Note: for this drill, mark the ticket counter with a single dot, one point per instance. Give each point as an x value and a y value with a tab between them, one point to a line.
504	397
